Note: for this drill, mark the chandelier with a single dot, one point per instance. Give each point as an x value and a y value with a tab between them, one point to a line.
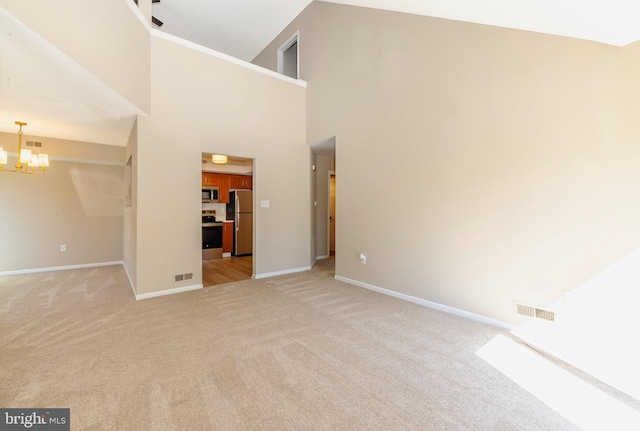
27	161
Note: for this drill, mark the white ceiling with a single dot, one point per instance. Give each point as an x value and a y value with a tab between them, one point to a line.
69	103
242	28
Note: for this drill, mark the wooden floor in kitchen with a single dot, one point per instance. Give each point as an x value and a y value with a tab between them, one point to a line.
226	270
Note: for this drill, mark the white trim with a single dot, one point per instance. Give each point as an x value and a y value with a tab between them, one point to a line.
133	286
226	57
286	271
168	292
285	46
59	268
138	13
324	256
440	307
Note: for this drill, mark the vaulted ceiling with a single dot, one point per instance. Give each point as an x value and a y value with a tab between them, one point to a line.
80	107
242	28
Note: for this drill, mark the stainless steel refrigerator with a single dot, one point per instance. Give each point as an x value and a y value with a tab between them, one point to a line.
243	208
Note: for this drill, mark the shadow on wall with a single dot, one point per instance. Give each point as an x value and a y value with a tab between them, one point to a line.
100	189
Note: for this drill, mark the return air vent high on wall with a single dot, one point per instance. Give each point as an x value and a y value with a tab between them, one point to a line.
535	312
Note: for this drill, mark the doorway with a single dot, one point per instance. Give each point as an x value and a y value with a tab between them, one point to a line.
288	58
324	198
230	211
332	213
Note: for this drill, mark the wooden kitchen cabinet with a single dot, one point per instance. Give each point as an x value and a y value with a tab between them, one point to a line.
241	182
227	238
219	180
208	179
223	189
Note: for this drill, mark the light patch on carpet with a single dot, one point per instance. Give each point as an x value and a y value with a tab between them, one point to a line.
585	406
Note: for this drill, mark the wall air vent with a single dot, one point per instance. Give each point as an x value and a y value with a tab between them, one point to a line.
36	144
535	312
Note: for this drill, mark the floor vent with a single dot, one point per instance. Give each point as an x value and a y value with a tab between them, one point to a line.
535	312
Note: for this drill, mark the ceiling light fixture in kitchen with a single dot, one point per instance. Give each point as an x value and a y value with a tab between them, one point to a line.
26	159
219	159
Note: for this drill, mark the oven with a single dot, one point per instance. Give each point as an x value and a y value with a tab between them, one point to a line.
211	237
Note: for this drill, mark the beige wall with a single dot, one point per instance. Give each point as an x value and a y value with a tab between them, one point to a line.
202	103
477	165
130	217
113	44
77	203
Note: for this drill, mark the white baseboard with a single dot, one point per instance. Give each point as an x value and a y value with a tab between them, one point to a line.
133	286
286	271
440	307
60	268
325	256
168	291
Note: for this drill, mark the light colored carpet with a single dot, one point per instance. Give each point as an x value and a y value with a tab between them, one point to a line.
294	352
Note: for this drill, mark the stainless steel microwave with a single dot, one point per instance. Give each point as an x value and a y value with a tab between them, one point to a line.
210	194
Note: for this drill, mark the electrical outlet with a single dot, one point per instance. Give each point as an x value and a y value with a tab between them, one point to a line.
63	247
363	258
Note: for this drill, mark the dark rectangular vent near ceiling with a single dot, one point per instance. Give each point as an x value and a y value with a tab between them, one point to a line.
34	144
